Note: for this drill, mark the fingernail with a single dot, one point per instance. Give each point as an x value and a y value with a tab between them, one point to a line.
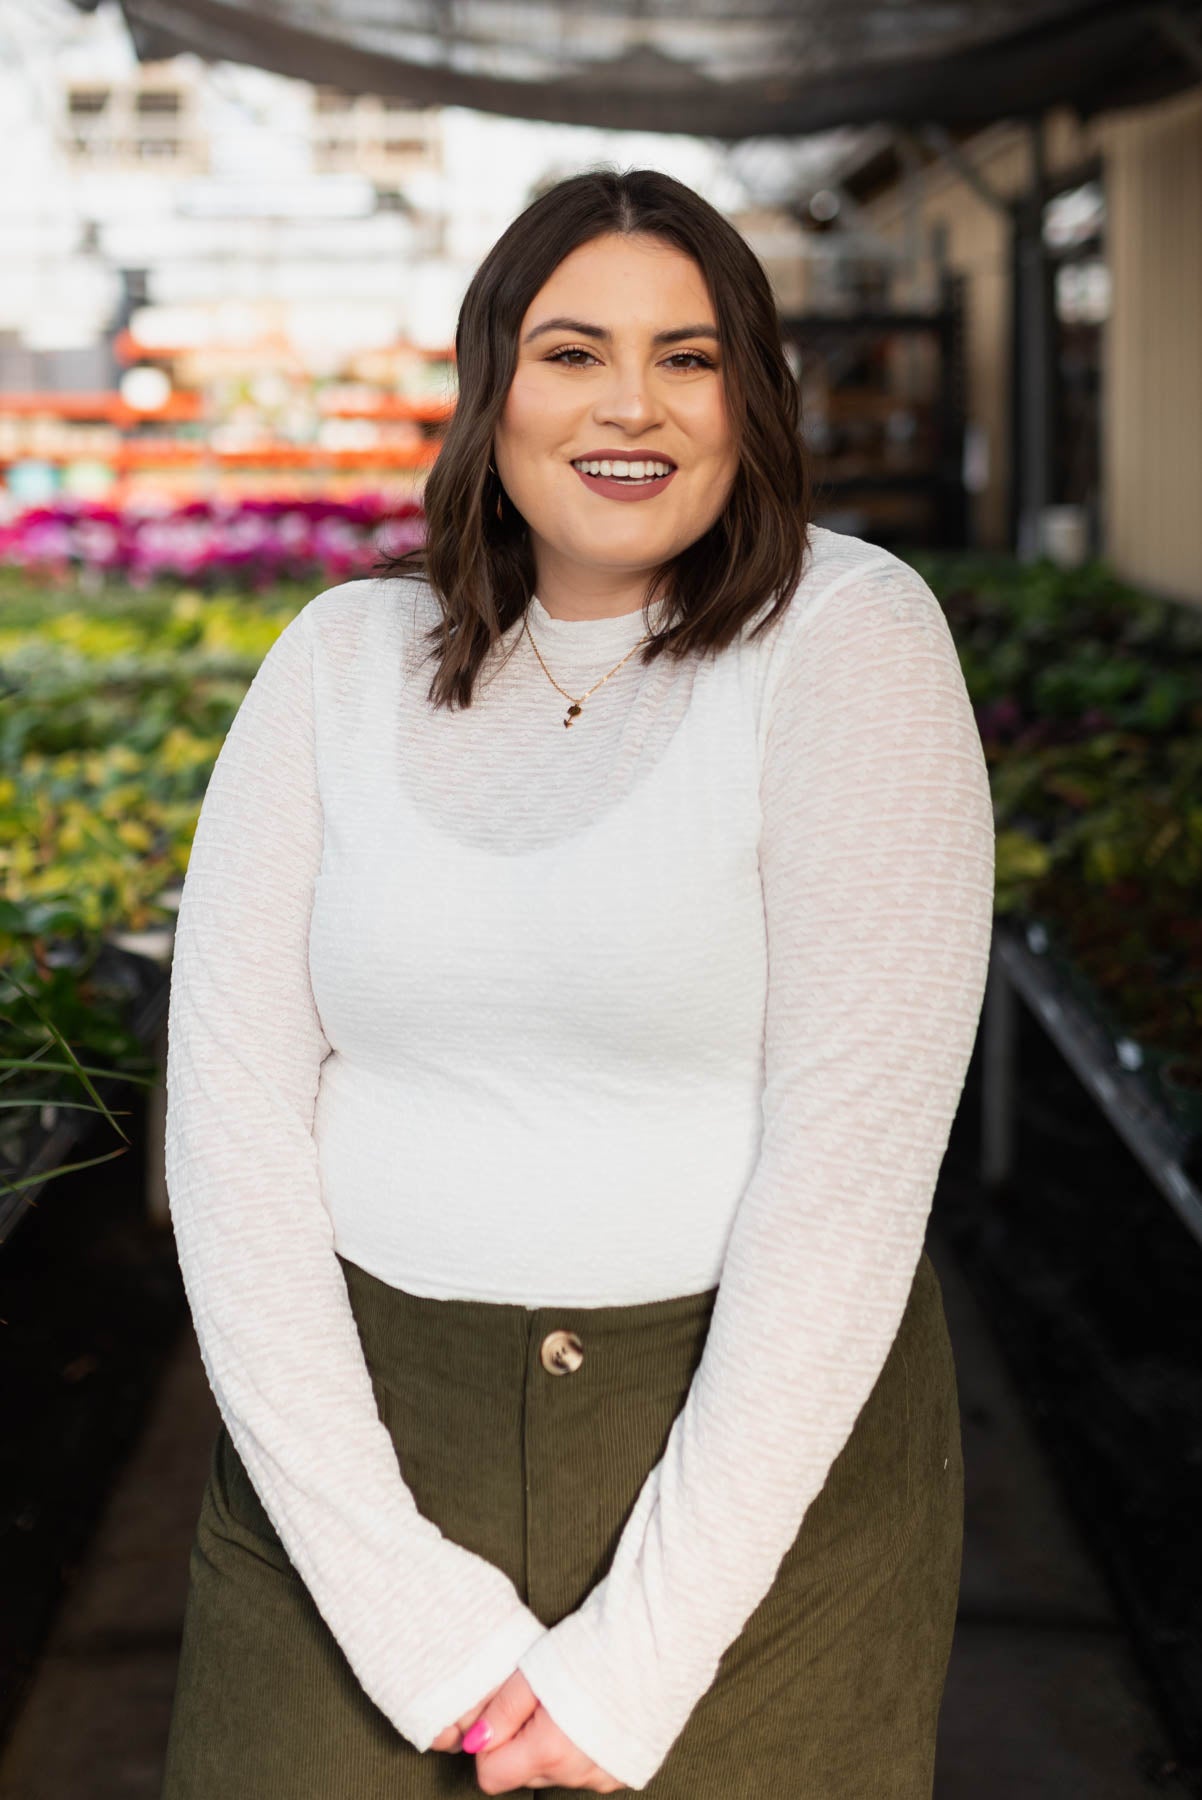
478	1735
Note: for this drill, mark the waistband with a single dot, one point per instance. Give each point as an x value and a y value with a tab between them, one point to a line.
489	1344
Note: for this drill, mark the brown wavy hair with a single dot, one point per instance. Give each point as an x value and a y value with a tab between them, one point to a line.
481	566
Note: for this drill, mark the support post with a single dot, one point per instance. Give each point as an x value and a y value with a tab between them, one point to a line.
999	1047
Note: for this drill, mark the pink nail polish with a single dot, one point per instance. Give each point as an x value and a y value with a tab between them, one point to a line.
477	1736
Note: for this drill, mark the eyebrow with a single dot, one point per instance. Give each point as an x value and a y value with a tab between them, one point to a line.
675	336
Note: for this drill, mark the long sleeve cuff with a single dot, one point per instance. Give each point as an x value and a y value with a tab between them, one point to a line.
593	1727
492	1662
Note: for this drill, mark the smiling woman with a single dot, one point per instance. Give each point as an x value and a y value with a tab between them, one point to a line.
554	1115
619	320
667	405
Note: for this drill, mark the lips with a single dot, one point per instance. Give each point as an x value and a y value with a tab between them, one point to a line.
622	487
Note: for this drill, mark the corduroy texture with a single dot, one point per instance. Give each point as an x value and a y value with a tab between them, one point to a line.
830	1692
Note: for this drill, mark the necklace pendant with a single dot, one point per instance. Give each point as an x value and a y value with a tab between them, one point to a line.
572	711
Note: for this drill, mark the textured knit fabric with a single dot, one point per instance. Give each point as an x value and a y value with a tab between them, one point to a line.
830	1691
682	995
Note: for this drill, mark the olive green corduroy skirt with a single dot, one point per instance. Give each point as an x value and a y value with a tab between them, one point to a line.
830	1692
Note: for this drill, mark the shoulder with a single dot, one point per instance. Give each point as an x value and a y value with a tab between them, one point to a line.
850	584
351	607
864	637
372	627
848	577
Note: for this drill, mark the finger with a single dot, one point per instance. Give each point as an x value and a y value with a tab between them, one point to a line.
502	1716
467	1719
541	1755
538	1755
452	1737
594	1783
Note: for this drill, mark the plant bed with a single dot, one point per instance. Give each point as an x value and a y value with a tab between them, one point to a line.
1088	697
1127	954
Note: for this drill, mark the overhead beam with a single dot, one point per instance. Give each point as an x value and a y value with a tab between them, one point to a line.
937	138
1179	34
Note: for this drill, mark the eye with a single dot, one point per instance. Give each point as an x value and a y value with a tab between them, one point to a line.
681	358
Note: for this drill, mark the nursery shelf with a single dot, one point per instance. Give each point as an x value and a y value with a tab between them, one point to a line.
1122	1094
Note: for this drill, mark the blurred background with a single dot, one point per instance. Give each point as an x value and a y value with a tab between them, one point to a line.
233	241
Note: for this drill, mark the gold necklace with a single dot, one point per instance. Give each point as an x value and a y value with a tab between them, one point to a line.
575	706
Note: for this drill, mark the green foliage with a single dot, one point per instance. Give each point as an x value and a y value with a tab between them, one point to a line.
1089	700
114	703
114	706
1088	697
1020	860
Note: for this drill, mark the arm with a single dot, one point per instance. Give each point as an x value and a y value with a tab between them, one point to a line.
427	1626
877	872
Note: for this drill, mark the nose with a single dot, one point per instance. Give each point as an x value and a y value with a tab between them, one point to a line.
628	399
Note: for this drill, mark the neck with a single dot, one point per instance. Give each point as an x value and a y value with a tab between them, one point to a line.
573	591
575	606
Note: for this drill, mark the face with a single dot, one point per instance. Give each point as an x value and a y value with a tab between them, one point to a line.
618	362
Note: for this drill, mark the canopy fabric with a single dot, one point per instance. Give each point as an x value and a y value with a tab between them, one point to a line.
729	69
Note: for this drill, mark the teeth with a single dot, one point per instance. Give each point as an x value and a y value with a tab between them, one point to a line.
625	471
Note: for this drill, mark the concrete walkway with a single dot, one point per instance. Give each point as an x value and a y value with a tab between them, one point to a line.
1043	1699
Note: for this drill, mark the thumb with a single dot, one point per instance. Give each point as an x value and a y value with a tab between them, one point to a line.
450	1738
503	1716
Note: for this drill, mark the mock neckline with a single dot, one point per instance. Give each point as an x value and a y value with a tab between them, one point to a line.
589	637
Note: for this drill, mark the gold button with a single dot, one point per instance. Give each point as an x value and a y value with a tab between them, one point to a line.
561	1352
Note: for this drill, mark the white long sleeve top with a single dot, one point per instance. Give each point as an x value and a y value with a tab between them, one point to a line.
682	996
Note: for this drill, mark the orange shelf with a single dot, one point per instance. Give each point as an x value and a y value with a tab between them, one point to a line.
185	407
389	406
104	404
288	456
131	349
166	454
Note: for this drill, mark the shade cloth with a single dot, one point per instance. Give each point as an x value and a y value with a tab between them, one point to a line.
729	69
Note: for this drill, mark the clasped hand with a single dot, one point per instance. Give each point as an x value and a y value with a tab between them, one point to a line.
525	1748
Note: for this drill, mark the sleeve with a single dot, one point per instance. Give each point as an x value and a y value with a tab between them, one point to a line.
427	1626
876	849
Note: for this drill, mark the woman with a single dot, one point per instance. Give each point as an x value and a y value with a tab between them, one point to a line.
577	970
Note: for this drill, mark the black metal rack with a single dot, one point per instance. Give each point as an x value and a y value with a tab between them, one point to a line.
937	477
1019	966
